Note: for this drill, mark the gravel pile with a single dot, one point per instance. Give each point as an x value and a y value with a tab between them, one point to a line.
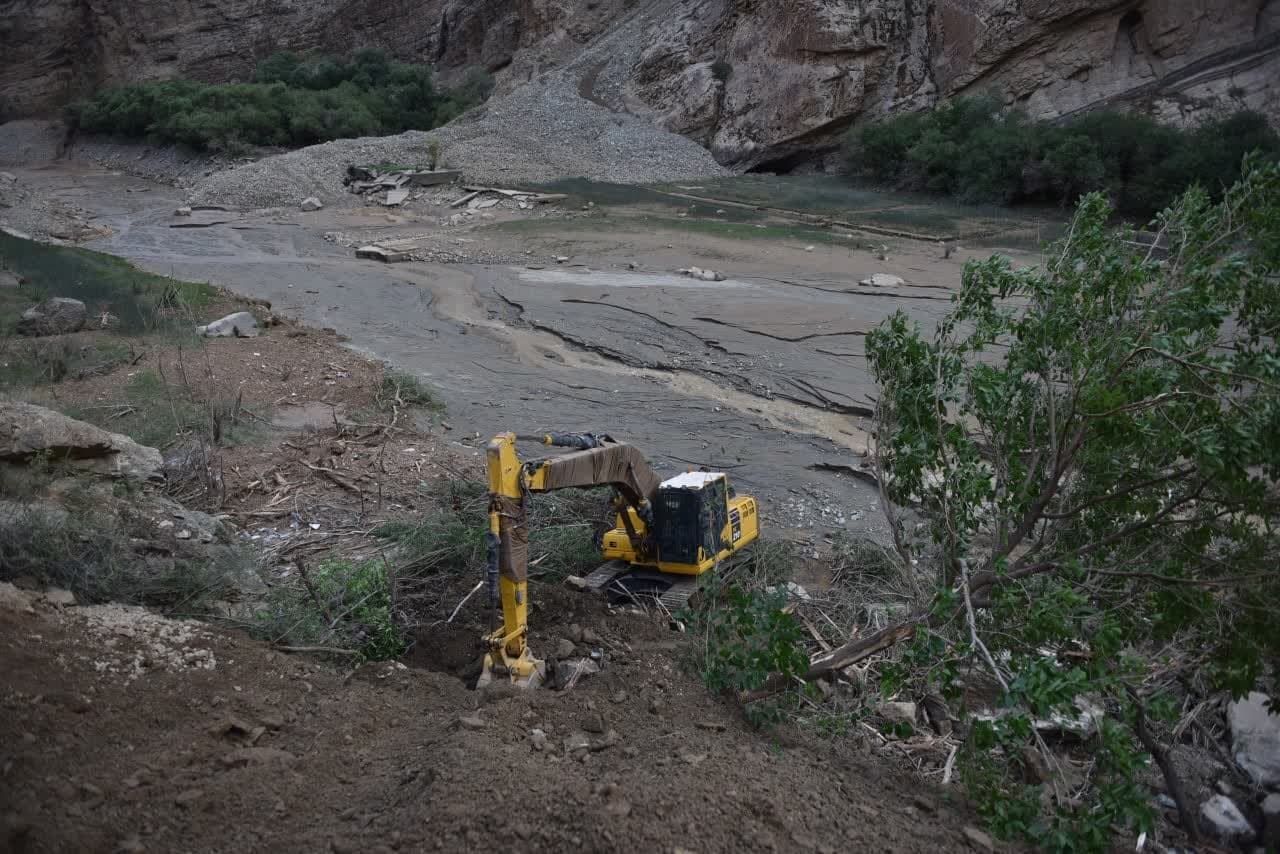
537	133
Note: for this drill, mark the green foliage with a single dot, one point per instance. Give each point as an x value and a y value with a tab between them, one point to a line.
1095	445
973	148
400	390
141	301
562	533
338	604
92	551
747	637
292	101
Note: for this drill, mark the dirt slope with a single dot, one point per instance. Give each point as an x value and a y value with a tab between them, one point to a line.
122	731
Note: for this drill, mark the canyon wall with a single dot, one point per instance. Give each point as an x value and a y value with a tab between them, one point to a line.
762	83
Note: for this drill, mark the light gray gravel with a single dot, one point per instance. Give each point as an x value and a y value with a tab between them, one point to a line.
537	133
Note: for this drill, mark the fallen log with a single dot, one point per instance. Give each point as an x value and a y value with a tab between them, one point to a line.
839	658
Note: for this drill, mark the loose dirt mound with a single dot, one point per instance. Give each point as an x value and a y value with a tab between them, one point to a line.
534	134
262	751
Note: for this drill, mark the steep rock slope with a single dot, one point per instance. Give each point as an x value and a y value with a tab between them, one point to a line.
760	83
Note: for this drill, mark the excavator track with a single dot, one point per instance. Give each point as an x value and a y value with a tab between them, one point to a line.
618	580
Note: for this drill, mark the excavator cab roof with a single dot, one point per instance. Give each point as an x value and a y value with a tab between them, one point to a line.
691	480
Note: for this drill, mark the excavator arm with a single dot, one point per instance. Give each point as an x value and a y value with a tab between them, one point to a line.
596	461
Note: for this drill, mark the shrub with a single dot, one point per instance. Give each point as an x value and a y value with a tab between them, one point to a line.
1094	447
340	605
291	101
972	148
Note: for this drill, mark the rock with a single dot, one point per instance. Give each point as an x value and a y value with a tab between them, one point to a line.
576	741
883	280
619	696
655	706
575	632
593	722
1221	817
576	582
59	598
10	279
565	648
538	739
1271	821
189	797
618	807
810	248
56	316
897	712
27	431
182	211
591	637
562	259
1255	739
184	534
978	839
395	198
311	203
694	759
474	722
241	324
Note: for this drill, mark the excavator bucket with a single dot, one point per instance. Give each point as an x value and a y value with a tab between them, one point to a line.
527	672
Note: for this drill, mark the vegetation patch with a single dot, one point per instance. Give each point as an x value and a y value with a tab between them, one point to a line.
972	148
292	101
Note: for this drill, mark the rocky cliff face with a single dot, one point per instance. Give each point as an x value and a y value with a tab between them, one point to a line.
761	83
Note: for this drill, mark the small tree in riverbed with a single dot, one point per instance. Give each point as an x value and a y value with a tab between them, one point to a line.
1095	446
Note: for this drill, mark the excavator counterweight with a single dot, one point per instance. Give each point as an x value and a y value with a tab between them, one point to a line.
683	526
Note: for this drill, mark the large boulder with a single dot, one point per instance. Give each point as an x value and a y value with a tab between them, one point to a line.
28	431
241	324
1222	818
56	316
1255	738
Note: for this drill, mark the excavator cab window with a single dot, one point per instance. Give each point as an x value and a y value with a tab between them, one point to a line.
692	511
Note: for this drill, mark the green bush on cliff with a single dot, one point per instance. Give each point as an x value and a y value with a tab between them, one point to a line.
292	101
973	148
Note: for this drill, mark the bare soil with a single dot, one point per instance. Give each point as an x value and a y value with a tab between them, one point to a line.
264	751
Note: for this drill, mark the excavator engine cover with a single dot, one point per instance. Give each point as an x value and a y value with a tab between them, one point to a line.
691	512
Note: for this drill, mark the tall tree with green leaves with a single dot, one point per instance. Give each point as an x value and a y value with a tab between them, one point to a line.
1093	447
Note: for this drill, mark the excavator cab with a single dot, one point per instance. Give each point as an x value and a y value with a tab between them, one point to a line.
676	529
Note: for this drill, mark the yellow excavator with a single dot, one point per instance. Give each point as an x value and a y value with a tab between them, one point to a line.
674	529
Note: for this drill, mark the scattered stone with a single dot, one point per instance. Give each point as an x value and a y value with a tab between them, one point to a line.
714	726
810	248
562	259
1255	738
1221	817
474	722
565	648
189	797
978	839
619	696
395	198
311	203
576	582
55	316
241	324
590	636
947	249
619	808
593	722
655	706
182	211
184	534
575	632
883	280
897	712
538	739
694	759
28	431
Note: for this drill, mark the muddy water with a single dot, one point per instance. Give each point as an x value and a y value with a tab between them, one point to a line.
761	375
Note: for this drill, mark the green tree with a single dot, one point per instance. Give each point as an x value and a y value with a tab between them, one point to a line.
1094	448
